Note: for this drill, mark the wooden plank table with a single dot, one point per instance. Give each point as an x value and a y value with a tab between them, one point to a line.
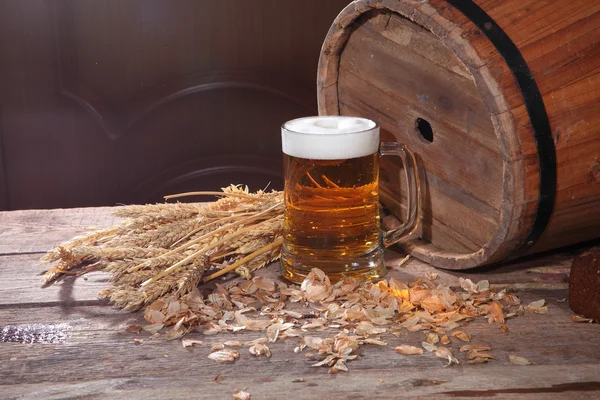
95	357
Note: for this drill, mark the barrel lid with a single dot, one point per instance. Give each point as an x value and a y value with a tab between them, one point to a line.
380	64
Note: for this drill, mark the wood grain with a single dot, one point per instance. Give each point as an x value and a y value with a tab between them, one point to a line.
35	231
453	182
396	61
24	274
99	359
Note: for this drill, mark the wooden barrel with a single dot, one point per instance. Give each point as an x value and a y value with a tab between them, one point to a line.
500	102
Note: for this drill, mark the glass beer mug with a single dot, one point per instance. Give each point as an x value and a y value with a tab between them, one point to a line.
332	221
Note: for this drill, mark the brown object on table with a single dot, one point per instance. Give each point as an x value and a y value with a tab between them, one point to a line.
584	284
85	347
439	76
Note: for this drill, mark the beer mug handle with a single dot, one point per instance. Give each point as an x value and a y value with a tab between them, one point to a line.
413	191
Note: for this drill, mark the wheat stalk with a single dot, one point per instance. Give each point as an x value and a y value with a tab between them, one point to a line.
92	238
160	250
225	239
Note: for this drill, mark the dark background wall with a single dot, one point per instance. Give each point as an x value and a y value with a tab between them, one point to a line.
124	101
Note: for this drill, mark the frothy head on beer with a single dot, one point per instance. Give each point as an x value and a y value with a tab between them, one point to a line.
330	137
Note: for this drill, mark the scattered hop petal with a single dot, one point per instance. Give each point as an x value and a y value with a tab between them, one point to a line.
537	307
428	346
535	304
190	342
339	365
483	286
373	341
432	276
408	350
260	349
153	327
479	357
464	336
518	360
432	304
239	394
291	313
577	318
496	312
473	354
468	285
154	316
224	355
329	360
265	284
312	342
367	328
446	353
177	331
443	352
414	320
433	338
476	347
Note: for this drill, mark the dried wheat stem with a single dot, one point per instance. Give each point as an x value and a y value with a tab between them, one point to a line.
209	193
245	259
223	255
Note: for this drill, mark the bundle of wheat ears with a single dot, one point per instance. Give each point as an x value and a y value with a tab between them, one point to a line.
166	249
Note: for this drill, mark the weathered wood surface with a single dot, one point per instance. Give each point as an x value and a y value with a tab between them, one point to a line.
99	359
403	61
35	231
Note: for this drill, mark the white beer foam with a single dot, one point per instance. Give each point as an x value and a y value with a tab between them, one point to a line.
330	137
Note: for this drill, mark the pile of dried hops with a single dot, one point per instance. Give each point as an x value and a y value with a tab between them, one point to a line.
159	254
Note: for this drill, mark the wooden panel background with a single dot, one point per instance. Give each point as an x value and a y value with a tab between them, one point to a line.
118	101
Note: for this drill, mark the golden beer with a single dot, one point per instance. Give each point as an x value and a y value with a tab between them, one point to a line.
331	214
331	198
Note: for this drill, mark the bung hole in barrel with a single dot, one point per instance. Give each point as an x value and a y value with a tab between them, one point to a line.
423	127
